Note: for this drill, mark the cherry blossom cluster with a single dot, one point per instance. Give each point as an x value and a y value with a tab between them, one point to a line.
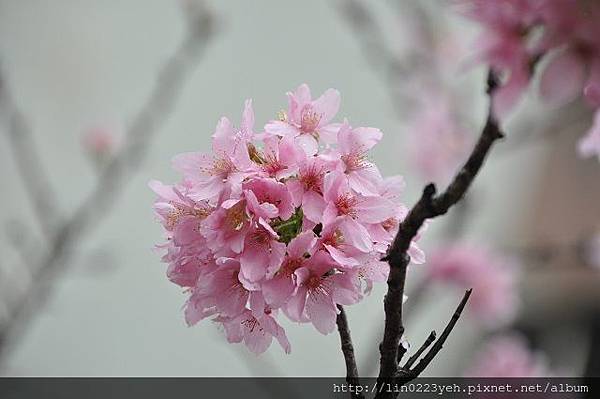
292	219
564	34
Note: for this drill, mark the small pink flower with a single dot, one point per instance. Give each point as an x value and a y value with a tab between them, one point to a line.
220	291
260	191
319	291
354	144
226	228
212	175
352	207
502	44
256	327
307	118
280	288
307	188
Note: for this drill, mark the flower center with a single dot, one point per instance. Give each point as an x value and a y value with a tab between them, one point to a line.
290	266
251	324
222	167
390	224
345	205
312	179
356	160
334	239
235	217
309	120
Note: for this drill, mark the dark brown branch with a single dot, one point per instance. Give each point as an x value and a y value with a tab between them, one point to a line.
437	346
139	135
348	351
28	161
429	206
419	351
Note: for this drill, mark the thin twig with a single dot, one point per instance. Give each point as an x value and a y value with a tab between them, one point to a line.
411	360
29	163
437	346
429	206
348	351
139	135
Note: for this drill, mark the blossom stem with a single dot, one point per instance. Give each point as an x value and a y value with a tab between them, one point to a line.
348	351
29	163
430	205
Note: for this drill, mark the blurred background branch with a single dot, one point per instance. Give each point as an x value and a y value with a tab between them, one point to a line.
63	235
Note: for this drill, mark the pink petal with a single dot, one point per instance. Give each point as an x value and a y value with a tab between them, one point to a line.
296	191
313	206
340	257
223	138
271	326
327	105
295	306
247	124
365	181
346	290
280	128
356	235
257	339
563	78
254	262
301	244
375	209
308	143
322	312
192	163
278	290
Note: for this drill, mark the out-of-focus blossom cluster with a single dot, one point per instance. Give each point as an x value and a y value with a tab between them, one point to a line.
291	219
493	278
100	143
564	33
507	356
439	140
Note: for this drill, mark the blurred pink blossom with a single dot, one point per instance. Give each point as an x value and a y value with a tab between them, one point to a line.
101	143
507	356
438	141
495	298
517	33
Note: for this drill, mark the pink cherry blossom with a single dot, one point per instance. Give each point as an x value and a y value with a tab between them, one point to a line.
213	175
307	119
494	300
507	356
502	45
262	228
256	327
518	33
354	144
